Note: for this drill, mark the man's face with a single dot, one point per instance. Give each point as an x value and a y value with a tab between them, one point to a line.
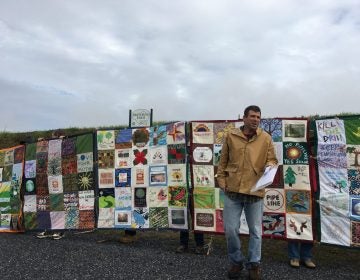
252	120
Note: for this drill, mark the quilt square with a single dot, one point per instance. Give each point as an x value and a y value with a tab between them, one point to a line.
176	153
30	152
123	177
106	159
140	156
30	220
140	137
86	200
140	217
43	220
274	225
177	196
220	130
106	139
57	219
68	147
70	183
140	197
204	198
123	218
123	158
158	217
158	135
19	154
202	154
175	133
56	202
85	162
86	219
30	169
158	197
157	175
273	127
85	181
71	201
123	198
107	198
41	163
202	132
123	139
274	200
69	165
294	130
72	218
330	131
178	218
106	178
158	155
84	144
295	153
298	201
42	147
43	203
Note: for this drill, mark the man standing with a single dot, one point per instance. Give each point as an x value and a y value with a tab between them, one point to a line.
245	154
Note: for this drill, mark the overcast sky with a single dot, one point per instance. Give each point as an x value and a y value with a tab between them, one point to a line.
84	63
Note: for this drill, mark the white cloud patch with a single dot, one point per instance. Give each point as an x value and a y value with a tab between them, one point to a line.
84	63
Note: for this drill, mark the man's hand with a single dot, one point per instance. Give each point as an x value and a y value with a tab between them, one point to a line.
222	182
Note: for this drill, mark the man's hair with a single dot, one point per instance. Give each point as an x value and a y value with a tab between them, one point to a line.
251	108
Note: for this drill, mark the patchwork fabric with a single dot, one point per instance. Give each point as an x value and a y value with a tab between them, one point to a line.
106	159
338	146
123	139
57	173
158	217
289	194
146	187
11	178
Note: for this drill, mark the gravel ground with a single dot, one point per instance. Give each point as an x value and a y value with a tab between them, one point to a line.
85	256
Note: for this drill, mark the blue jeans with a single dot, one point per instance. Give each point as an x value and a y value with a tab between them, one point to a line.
232	213
300	250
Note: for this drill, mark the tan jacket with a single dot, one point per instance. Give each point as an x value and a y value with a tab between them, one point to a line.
243	162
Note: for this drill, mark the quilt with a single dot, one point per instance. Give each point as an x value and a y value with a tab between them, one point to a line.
11	177
59	188
142	177
338	150
288	201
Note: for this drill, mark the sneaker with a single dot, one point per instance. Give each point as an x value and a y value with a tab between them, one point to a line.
255	272
126	239
58	235
294	263
44	234
309	264
235	271
181	249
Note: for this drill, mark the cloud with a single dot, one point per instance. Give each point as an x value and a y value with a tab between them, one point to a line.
86	63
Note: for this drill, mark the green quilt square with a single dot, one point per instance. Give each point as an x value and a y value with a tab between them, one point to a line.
84	143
